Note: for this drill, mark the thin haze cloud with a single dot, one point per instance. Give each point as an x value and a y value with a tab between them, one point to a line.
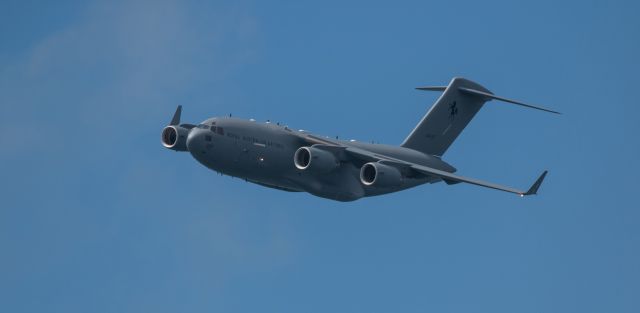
109	65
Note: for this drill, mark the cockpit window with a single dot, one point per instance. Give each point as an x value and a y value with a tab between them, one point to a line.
220	131
213	129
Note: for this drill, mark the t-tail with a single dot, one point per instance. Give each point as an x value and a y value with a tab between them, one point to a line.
451	113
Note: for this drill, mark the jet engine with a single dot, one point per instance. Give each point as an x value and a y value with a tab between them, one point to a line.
174	137
380	175
314	159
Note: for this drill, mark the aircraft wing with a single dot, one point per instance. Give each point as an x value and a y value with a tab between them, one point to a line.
449	178
342	150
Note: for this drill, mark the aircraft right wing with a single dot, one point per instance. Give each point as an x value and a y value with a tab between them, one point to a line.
449	178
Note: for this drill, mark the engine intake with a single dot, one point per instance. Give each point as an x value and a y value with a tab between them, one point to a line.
174	137
380	175
314	159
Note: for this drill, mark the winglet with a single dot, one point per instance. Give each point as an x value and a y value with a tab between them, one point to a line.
534	188
176	116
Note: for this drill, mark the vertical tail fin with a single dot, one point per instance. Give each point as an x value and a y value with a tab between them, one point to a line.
451	113
447	117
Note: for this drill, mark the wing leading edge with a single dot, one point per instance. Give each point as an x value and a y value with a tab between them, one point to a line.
449	178
452	178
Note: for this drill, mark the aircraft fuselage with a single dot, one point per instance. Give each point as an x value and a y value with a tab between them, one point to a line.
263	153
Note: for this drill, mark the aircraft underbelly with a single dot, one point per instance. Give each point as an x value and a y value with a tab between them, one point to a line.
261	161
253	162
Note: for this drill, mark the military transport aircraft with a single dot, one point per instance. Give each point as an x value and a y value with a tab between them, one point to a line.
276	156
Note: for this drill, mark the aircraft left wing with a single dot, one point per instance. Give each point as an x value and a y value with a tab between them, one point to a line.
449	178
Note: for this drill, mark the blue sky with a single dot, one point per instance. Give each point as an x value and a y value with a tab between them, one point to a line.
96	216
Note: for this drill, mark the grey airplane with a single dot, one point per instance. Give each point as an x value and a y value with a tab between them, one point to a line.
275	156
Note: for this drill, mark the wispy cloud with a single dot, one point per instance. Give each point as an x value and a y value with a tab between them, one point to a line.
118	62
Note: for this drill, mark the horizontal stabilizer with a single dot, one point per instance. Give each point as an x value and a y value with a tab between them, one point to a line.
486	96
490	96
432	88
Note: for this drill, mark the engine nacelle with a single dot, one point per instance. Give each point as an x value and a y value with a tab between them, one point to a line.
380	175
174	137
316	160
